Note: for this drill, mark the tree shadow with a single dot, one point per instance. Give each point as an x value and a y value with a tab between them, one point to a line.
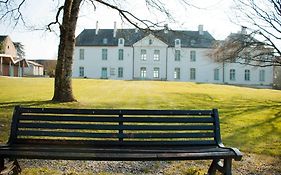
9	105
259	136
237	110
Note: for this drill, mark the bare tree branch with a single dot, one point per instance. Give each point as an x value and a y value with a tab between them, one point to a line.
57	19
13	12
263	20
132	19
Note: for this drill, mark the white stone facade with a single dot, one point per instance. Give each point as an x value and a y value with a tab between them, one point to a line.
93	63
152	59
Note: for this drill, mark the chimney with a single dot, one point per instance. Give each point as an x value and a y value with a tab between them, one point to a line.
243	30
115	29
166	28
200	30
97	27
136	29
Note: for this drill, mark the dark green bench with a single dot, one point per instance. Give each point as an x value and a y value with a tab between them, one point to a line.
116	135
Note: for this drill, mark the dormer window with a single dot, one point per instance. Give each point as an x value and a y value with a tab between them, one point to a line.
104	41
121	41
192	42
177	42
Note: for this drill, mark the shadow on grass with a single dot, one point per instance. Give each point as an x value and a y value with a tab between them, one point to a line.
228	112
259	137
9	105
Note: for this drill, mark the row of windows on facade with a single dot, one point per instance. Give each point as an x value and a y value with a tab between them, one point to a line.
104	72
103	54
247	75
121	41
156	55
177	73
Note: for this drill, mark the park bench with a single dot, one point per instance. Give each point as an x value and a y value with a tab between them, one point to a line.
116	135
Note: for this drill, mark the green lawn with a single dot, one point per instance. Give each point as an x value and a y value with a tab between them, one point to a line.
250	118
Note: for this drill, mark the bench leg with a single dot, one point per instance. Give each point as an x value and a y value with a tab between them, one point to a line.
2	164
213	167
15	168
224	167
227	164
18	168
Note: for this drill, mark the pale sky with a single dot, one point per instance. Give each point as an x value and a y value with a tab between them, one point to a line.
40	44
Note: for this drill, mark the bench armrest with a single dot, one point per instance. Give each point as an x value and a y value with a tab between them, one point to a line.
238	154
235	150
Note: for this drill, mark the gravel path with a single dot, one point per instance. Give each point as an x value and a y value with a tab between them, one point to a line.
251	164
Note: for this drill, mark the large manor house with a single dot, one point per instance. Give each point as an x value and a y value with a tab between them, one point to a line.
168	55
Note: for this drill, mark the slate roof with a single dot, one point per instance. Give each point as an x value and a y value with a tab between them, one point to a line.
188	38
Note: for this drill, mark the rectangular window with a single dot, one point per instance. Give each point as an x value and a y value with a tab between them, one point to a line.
177	73
81	54
120	72
216	74
104	72
143	54
104	54
262	75
192	56
112	71
143	72
232	75
156	72
247	75
156	56
81	71
120	54
177	55
192	73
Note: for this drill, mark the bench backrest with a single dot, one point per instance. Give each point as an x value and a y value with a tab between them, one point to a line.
115	127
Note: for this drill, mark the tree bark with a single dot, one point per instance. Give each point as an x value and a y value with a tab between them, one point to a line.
63	84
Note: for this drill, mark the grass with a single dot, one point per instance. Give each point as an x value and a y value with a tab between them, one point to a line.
250	118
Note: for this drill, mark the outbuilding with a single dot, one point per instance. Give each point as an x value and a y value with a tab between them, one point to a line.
10	66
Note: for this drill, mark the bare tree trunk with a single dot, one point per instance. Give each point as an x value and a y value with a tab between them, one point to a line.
63	84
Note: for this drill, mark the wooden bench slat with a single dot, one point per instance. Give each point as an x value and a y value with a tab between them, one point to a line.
114	127
117	142
114	112
117	119
115	135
